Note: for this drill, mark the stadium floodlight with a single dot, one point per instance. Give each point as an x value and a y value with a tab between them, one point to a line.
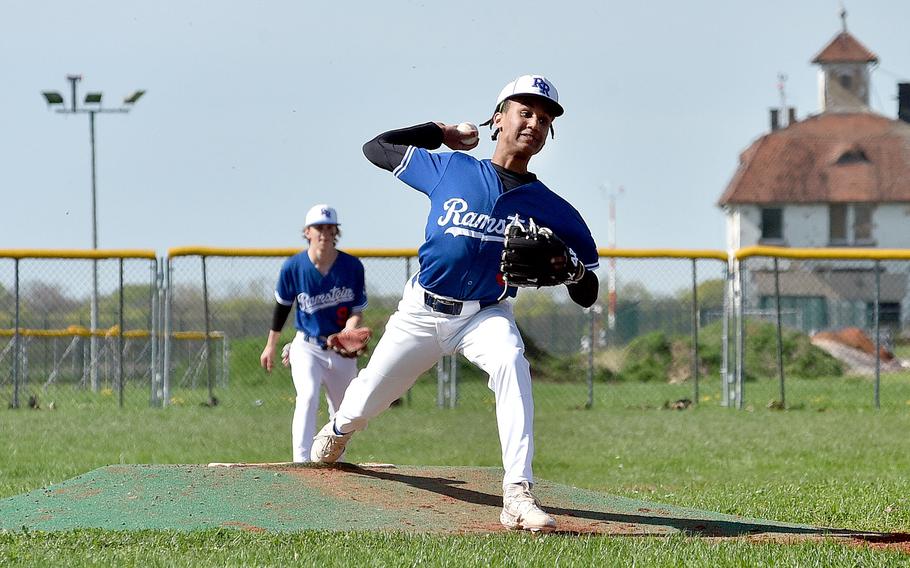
93	98
131	99
52	97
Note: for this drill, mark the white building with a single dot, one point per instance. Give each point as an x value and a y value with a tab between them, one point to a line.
840	178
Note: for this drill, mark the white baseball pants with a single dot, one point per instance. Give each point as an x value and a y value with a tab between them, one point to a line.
414	340
311	368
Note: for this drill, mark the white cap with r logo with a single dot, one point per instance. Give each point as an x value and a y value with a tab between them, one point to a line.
321	214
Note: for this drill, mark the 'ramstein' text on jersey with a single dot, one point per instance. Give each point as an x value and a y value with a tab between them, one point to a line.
324	303
468	215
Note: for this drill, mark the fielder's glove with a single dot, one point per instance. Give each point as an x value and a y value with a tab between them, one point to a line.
350	342
535	256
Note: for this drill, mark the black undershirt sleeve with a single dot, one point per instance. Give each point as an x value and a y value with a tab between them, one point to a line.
584	293
387	150
280	316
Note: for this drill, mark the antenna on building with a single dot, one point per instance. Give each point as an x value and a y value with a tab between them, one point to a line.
782	90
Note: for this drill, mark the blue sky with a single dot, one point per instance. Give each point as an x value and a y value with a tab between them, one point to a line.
257	110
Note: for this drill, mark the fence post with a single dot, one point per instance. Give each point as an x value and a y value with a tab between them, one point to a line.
780	336
166	371
153	335
120	338
208	339
725	338
16	336
225	360
877	323
453	380
407	276
591	332
695	328
740	308
441	379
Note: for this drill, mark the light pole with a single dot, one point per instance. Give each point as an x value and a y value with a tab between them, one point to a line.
93	100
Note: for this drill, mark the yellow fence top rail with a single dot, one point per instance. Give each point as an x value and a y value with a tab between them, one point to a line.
282	252
824	253
398	253
747	252
80	254
662	253
78	330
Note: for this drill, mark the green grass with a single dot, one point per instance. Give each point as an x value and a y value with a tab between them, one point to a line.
824	462
234	548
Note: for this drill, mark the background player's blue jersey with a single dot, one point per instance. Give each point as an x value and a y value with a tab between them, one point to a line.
324	303
469	212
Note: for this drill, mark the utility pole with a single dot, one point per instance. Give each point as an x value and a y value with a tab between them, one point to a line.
93	100
611	265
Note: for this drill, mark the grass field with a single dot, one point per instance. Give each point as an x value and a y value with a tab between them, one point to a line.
823	463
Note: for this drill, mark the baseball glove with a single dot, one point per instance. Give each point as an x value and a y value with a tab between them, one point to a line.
535	256
350	342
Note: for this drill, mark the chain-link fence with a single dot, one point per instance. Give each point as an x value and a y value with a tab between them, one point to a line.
658	339
671	329
821	328
634	351
77	326
230	295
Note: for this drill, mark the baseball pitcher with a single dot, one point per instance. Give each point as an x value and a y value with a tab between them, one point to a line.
492	227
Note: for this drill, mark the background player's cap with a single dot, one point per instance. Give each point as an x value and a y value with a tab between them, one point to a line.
321	214
533	85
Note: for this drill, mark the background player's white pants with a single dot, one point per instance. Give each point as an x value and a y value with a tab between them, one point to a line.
312	367
414	340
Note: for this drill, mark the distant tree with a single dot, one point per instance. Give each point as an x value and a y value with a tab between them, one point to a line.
531	303
46	297
710	294
632	291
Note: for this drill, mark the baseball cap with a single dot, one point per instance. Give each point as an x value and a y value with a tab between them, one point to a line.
321	214
533	85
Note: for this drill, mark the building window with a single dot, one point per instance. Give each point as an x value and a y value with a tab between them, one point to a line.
837	223
772	224
862	223
846	81
889	314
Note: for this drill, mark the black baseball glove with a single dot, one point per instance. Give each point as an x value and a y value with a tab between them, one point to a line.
535	256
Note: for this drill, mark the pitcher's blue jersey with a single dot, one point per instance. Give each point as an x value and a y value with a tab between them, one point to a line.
469	212
324	303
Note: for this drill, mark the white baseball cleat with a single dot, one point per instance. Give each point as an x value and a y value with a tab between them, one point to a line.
327	445
521	510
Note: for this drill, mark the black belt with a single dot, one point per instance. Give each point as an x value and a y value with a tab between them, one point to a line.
448	307
318	340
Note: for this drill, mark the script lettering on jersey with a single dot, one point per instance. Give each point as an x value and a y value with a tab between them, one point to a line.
335	296
466	223
539	83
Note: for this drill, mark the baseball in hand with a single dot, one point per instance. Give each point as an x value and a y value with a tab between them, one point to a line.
468	133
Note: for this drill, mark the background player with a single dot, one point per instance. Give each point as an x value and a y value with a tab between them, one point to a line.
328	287
453	304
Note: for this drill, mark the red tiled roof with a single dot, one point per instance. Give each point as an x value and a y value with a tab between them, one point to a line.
799	164
845	48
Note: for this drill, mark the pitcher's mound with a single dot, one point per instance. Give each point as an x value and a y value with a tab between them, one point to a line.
344	497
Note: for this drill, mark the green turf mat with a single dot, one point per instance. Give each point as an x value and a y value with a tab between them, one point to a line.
344	497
